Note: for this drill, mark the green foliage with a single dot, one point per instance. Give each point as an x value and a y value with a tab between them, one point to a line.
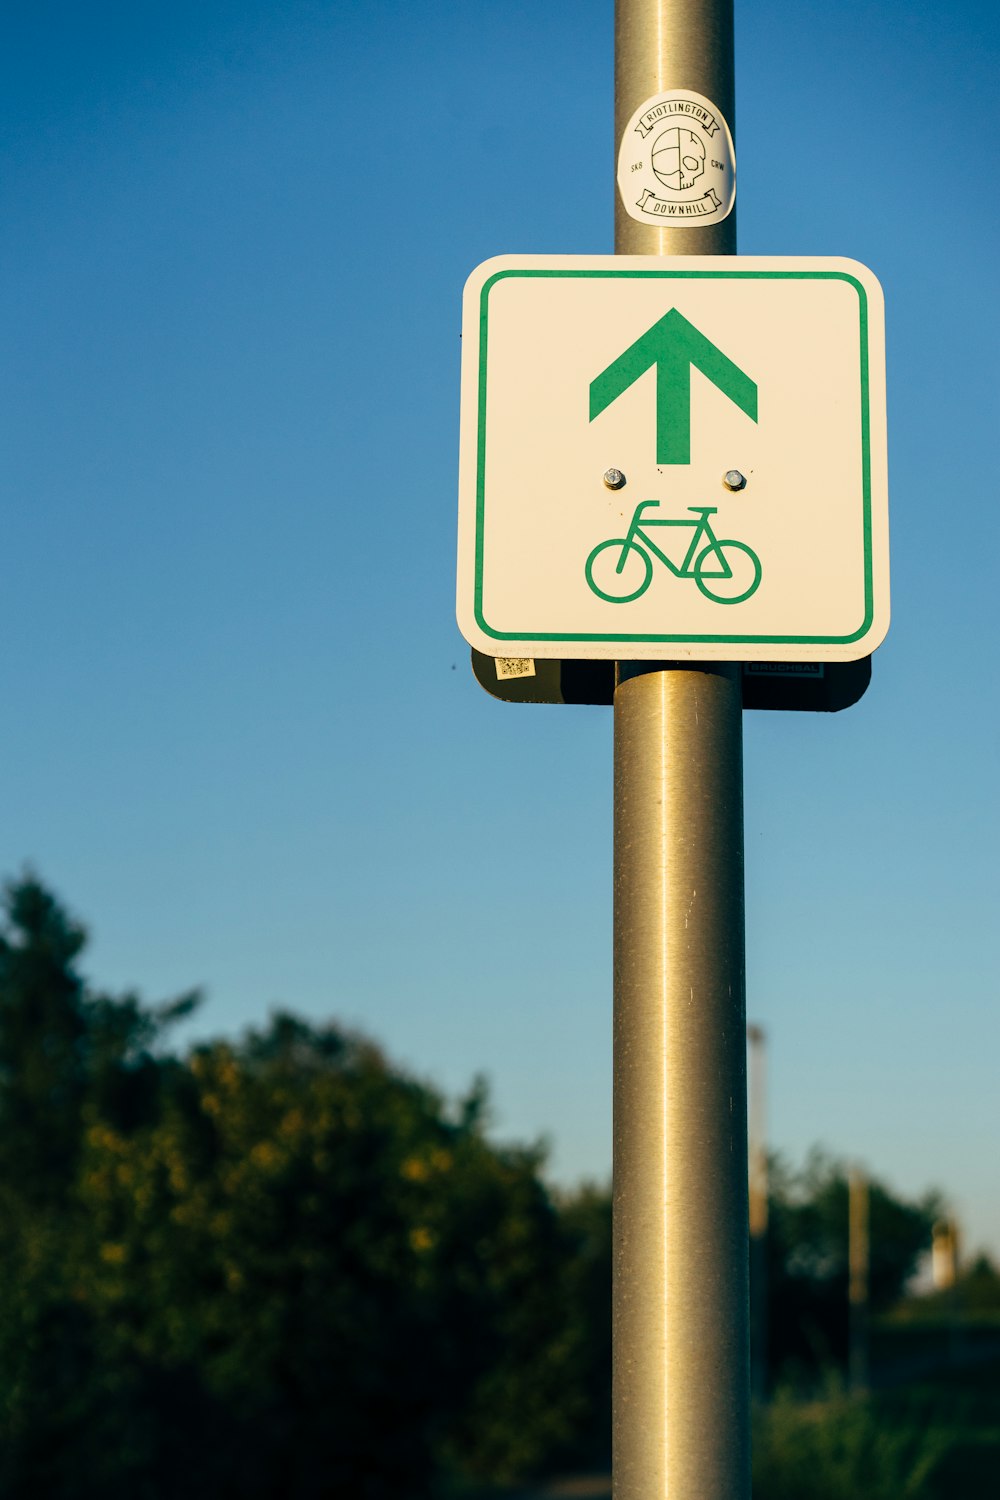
586	1218
43	1031
277	1267
936	1439
841	1448
66	1057
807	1258
979	1289
281	1267
301	1220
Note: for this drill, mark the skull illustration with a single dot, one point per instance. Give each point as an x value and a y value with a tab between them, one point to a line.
678	157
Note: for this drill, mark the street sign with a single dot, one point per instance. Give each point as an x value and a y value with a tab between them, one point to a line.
797	687
679	458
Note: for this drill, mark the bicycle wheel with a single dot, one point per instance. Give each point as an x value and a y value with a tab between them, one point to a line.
744	572
619	574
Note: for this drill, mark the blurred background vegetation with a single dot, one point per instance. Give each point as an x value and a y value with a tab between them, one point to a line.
282	1267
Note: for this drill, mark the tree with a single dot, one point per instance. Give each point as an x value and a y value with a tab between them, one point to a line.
280	1266
357	1282
586	1220
808	1257
979	1288
42	1044
67	1058
270	1267
65	1052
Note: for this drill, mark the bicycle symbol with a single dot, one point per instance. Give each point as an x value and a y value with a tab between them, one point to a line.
727	572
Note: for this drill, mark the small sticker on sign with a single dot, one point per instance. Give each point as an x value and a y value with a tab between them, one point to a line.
676	163
514	666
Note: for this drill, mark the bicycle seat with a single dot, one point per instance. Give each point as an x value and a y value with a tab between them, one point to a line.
703	510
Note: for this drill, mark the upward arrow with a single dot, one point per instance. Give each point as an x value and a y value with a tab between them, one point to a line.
673	345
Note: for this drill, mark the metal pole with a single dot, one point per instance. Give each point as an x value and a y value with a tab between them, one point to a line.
956	1341
757	1135
680	1407
944	1270
663	44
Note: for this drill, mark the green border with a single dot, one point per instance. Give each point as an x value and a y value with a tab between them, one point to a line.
632	275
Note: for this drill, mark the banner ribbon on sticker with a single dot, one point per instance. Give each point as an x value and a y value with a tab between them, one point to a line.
677	106
707	204
676	161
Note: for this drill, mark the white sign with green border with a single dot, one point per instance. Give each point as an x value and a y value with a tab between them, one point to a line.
673	458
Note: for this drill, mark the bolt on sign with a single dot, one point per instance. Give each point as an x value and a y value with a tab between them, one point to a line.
679	458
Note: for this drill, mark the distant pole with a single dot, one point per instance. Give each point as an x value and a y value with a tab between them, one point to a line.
944	1273
956	1342
858	1262
681	1394
943	1267
757	1135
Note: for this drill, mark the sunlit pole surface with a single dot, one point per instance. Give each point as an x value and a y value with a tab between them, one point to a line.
681	1340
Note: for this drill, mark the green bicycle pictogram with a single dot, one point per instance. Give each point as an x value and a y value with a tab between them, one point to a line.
727	572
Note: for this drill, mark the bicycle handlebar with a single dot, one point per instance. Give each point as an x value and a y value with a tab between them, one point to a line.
699	510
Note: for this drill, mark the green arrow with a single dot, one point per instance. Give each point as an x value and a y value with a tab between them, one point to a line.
673	345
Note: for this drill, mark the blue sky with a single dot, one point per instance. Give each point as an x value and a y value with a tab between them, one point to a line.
243	740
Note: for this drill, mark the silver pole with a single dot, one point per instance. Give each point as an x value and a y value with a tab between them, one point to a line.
663	44
680	1301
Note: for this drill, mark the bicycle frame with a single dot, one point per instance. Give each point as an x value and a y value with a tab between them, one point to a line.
702	529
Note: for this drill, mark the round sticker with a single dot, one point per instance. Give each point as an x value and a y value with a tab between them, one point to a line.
676	163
